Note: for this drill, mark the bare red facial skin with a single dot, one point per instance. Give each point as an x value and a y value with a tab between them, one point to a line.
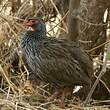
29	22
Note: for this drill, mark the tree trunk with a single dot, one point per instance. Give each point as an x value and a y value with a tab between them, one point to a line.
92	12
73	22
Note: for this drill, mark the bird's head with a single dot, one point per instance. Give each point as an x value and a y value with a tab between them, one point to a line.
37	25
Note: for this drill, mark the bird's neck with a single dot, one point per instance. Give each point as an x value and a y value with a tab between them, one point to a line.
40	35
34	36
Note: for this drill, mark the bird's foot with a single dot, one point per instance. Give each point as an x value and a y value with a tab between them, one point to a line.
62	99
58	93
65	92
61	93
54	96
61	104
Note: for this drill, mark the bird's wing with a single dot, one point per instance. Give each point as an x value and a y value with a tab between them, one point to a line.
84	60
56	63
78	54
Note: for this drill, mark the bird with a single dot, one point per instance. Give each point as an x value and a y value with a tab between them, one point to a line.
59	62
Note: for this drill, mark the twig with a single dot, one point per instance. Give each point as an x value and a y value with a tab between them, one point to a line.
101	79
96	82
8	92
100	101
47	103
89	23
103	71
41	108
85	41
60	27
8	81
57	11
98	46
59	22
104	84
22	6
43	90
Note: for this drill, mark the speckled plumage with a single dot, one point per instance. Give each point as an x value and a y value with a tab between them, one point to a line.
56	61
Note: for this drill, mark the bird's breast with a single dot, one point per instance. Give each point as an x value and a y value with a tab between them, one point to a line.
30	48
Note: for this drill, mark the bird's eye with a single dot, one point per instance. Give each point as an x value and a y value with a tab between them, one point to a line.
33	21
28	19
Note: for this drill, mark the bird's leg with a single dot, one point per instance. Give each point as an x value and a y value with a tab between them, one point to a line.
56	94
65	92
62	103
59	93
62	92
